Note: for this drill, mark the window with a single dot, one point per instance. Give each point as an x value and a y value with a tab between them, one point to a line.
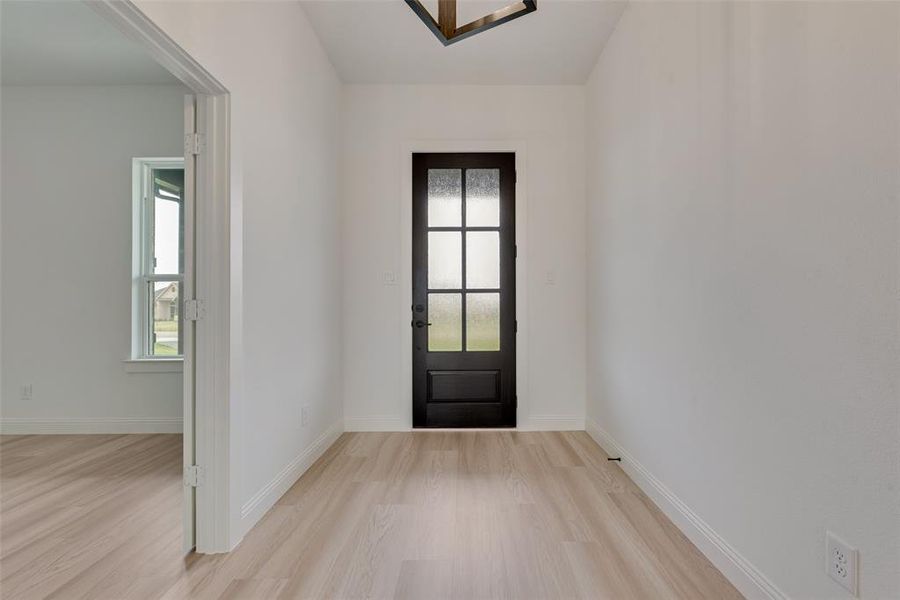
158	258
463	246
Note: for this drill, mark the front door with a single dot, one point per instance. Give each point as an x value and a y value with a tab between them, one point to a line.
464	290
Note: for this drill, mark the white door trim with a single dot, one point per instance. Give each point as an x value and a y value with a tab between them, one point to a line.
188	333
407	149
211	382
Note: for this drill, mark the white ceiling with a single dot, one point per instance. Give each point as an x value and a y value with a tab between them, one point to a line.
383	41
67	43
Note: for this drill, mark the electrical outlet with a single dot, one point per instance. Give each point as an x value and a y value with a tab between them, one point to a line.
26	392
304	416
389	278
842	561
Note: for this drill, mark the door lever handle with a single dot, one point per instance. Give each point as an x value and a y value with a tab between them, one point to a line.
420	324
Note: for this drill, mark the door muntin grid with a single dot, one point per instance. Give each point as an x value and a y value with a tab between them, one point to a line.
464	262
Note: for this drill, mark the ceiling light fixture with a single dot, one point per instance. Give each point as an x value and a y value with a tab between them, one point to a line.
445	28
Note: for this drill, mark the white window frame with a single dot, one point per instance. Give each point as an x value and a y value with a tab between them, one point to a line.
142	270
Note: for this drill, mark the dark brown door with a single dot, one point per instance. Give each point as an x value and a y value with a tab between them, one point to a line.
464	290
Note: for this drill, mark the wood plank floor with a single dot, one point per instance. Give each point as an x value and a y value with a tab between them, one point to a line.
421	515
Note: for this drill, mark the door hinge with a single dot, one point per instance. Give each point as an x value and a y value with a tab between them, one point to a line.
193	476
516	251
194	310
516	326
194	143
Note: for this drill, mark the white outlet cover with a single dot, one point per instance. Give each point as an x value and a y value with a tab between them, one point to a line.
842	560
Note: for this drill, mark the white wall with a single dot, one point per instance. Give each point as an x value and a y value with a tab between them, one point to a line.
743	274
285	101
66	247
379	122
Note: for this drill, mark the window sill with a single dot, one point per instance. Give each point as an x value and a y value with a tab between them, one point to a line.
153	365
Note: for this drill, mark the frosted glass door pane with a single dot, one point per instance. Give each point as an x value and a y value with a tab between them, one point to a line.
444	260
483	322
445	322
482	259
483	198
444	197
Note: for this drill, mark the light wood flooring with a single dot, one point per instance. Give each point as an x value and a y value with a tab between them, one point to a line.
421	515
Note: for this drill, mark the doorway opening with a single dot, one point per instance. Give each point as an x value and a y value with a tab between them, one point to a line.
101	87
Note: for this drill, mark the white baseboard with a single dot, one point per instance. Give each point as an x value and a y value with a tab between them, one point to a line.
749	580
552	423
254	509
536	423
378	423
28	426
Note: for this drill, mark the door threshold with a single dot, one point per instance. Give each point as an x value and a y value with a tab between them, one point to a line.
417	429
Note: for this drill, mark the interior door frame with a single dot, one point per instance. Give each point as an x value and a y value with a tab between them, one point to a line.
408	148
207	366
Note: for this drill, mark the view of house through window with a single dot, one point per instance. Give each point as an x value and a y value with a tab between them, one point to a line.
161	257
